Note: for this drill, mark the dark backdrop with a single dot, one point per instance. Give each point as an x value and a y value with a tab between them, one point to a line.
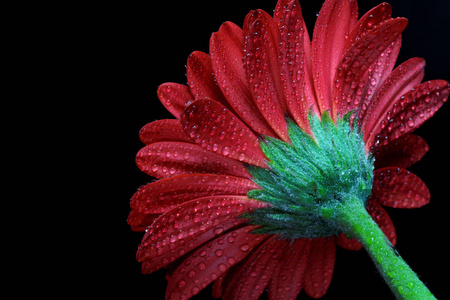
133	48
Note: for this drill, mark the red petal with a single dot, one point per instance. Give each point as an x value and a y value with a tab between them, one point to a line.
140	221
167	159
399	188
261	44
380	216
211	261
403	152
411	110
373	80
334	24
165	194
287	280
188	244
293	60
256	274
370	20
349	244
174	97
252	17
227	52
189	220
213	127
320	267
406	76
222	284
358	58
218	286
201	79
163	130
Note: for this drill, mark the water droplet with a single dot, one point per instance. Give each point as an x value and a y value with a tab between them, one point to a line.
373	81
225	151
195	290
201	266
222	267
231	260
192	274
197	217
218	230
218	252
244	248
181	284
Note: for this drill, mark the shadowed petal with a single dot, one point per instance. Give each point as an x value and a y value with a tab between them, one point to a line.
380	216
167	159
212	260
140	221
320	267
174	97
334	23
399	188
402	153
348	244
222	284
213	127
227	52
287	280
261	62
163	130
165	194
256	274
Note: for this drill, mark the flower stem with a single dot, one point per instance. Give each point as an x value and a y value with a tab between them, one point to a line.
356	222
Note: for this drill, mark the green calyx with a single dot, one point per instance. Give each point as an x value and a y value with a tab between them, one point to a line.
309	178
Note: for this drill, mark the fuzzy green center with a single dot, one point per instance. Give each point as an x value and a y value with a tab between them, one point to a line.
307	179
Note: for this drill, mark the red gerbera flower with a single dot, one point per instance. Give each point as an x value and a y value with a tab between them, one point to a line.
227	208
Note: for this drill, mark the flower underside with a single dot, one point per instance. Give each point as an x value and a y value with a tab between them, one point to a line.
307	179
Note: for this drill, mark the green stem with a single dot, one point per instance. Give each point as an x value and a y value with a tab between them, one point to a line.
356	222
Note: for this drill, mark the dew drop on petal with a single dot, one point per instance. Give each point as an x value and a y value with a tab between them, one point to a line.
244	248
201	266
195	290
230	239
192	274
225	151
181	284
218	230
218	252
222	267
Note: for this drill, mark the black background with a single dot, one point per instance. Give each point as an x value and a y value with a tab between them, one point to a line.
125	51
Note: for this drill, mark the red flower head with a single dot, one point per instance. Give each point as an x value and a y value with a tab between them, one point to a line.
271	136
